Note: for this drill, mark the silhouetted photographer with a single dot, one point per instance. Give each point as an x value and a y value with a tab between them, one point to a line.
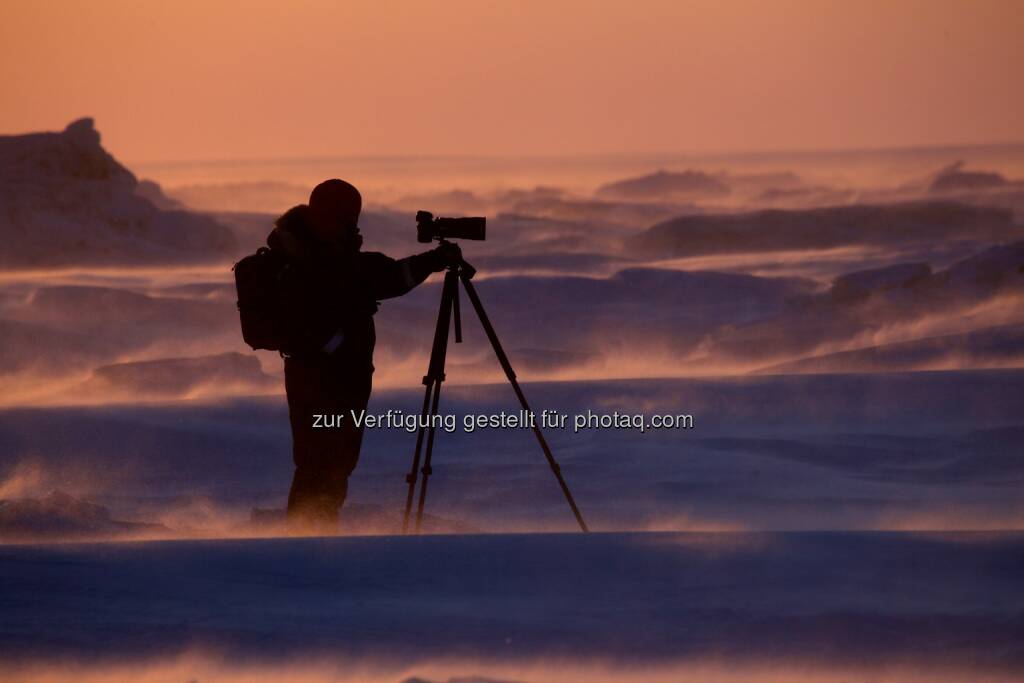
312	295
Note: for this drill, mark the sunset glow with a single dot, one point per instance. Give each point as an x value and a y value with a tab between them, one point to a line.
218	80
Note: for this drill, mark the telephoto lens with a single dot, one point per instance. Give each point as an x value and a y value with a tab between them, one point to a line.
429	228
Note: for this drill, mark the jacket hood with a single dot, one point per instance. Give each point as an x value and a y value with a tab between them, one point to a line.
292	235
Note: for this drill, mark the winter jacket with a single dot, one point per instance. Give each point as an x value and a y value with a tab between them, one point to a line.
336	293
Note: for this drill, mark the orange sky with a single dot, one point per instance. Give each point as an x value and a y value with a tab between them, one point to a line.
207	80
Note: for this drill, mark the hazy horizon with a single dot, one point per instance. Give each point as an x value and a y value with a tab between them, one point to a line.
651	155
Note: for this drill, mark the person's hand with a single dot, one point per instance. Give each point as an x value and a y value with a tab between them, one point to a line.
447	254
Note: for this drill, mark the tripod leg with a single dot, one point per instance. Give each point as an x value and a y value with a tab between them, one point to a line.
432	380
431	430
511	375
411	477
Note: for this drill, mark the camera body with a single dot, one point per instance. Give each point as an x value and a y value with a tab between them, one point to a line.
429	228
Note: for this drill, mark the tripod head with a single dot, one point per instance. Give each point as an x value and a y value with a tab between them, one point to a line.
462	267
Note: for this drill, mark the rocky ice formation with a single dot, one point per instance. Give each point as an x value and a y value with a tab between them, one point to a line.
181	377
825	228
664	185
151	190
65	201
1001	346
860	284
954	177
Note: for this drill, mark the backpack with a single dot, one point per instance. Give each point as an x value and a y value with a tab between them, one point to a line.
265	307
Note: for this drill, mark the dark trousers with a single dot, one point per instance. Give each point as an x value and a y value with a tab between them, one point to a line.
324	456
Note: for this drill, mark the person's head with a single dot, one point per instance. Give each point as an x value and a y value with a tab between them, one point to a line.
334	207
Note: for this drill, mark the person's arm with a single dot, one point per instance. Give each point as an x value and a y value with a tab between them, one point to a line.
388	277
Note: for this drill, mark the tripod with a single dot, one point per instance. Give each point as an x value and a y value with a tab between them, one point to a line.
449	313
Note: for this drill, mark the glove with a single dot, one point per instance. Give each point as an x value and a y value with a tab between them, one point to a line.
446	255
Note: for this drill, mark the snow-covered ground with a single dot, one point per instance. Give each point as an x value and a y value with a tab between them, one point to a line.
877	603
921	450
845	507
